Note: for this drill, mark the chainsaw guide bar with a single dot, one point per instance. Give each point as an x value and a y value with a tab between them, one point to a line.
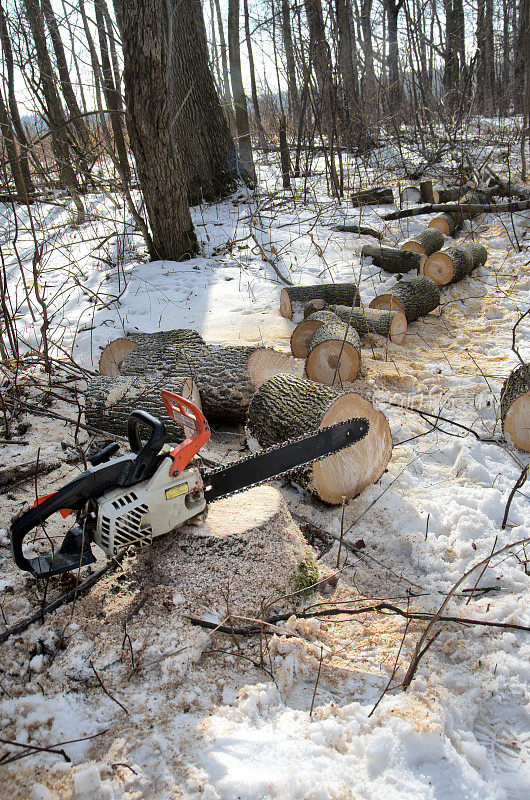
280	459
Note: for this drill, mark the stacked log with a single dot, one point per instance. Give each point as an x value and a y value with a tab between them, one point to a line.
414	298
454	263
285	407
425	243
297	296
109	400
114	353
373	197
392	259
448	224
389	324
301	336
515	407
313	306
334	354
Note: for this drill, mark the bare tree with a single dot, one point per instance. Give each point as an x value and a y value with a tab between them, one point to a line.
238	92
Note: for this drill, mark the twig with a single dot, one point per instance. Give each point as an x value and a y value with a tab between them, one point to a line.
360	229
316	682
521	480
94	670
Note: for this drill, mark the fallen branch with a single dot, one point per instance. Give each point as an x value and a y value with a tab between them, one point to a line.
65	598
363	230
478	208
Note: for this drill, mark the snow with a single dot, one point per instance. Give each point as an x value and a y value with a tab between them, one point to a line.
209	719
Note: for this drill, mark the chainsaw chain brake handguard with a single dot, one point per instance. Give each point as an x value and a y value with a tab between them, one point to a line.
185	412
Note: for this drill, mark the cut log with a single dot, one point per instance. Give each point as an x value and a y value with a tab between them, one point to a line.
373	197
226	377
390	324
285	407
314	305
515	407
340	293
110	400
114	353
448	224
334	354
455	263
301	336
426	243
414	298
391	259
410	194
449	195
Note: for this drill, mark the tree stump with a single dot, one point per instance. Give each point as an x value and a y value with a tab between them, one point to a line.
292	297
286	406
515	407
414	298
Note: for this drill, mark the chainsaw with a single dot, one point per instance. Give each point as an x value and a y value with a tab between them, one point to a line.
133	499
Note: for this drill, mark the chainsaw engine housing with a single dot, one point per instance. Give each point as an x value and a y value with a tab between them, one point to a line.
138	514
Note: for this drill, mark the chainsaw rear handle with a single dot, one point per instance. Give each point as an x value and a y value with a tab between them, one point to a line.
146	454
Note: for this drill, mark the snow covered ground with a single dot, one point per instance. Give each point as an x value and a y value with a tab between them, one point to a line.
203	719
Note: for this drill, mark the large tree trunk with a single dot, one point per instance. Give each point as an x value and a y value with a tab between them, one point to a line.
238	92
200	126
147	54
395	91
285	407
357	132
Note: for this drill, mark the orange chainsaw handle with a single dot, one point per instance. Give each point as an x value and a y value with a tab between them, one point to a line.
181	410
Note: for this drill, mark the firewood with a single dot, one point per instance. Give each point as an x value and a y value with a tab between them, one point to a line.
334	354
314	305
454	263
109	401
373	197
515	407
426	243
301	336
226	377
286	406
114	353
392	259
448	224
292	296
427	192
414	298
389	324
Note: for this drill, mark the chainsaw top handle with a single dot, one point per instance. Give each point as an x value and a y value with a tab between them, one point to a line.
185	412
146	454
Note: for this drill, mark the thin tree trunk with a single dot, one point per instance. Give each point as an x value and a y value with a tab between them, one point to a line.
262	139
55	113
12	103
238	92
147	29
12	152
395	91
294	97
227	97
111	94
370	80
357	132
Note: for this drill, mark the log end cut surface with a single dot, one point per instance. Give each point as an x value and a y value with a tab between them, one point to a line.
333	362
346	474
440	268
517	422
286	308
387	302
265	362
114	355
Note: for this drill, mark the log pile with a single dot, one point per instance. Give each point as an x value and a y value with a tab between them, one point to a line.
294	298
515	407
286	406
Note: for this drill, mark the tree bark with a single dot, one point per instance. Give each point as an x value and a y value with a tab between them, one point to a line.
357	132
292	87
395	91
262	139
238	92
515	407
147	54
200	128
